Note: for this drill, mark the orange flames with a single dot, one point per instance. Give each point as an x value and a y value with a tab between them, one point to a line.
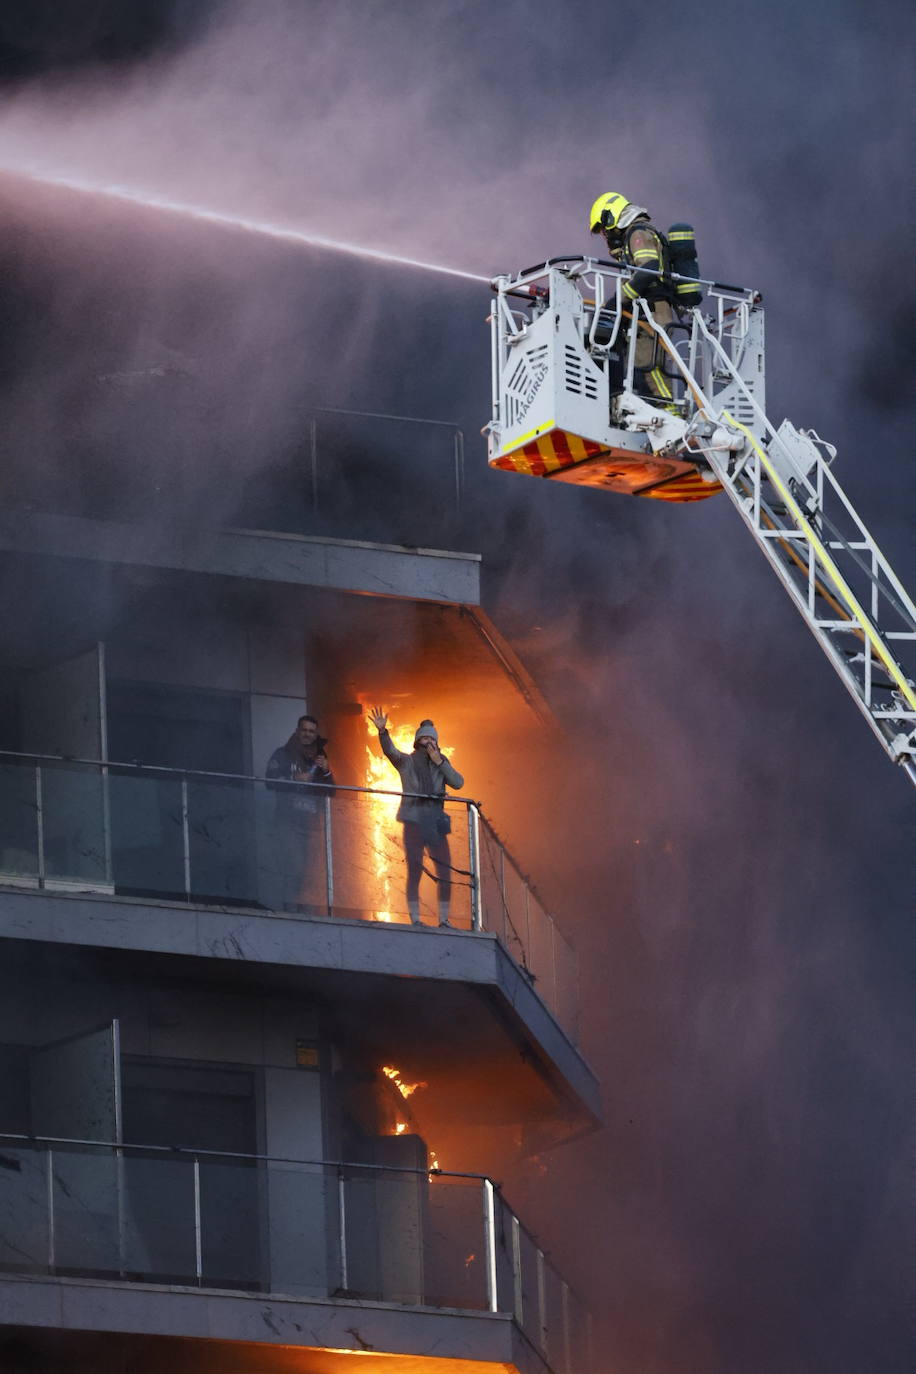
380	776
405	1089
382	812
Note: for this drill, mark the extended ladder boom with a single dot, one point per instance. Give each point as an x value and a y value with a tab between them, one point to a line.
832	567
579	337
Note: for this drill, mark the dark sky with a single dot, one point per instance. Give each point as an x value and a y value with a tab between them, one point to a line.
733	850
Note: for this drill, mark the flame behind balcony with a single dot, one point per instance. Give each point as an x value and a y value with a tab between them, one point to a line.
382	812
380	776
405	1089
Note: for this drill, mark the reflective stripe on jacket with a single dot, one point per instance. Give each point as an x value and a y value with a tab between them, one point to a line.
645	249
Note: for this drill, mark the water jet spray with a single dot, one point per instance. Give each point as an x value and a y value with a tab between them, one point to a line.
229	221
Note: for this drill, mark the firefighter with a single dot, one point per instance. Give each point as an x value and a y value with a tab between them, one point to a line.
634	240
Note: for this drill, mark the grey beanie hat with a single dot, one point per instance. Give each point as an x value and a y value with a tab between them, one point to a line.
427	728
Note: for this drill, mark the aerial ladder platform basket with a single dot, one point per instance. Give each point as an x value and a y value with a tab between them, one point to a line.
570	404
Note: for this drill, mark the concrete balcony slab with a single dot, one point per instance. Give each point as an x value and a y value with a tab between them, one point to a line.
453	1005
85	1323
253	556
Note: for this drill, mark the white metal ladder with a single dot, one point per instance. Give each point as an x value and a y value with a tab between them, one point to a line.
851	599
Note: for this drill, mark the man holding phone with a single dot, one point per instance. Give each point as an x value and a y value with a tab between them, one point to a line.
425	772
300	776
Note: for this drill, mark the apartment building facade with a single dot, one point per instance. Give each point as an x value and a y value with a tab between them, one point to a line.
241	1132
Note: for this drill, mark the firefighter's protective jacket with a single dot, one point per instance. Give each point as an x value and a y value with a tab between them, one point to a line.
654	257
646	251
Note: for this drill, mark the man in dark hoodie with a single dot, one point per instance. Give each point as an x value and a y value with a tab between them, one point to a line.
299	774
426	826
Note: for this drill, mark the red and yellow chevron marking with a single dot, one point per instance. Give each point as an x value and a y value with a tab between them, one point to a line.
558	450
689	487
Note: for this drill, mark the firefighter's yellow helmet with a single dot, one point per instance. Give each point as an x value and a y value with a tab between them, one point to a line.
612	211
605	212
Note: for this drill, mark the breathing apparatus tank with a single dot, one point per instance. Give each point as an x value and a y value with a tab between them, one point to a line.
682	254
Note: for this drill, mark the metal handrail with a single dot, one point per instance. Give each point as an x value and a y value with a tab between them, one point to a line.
622	270
383	415
238	1154
491	1192
456	431
280	783
140	767
510	920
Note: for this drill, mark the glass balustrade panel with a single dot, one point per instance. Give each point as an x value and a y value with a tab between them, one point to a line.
25	1237
251	1224
221	840
555	1321
147	833
579	1325
289	847
18	823
567	982
235	1220
159	1243
85	1191
516	913
74	818
532	1316
540	951
491	885
505	1258
300	1232
369	871
455	1244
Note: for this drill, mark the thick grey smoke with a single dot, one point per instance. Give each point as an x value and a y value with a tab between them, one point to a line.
361	122
734	851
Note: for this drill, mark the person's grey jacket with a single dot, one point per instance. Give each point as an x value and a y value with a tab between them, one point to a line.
420	774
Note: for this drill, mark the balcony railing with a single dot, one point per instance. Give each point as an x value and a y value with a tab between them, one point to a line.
152	1214
307	489
388	458
231	840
